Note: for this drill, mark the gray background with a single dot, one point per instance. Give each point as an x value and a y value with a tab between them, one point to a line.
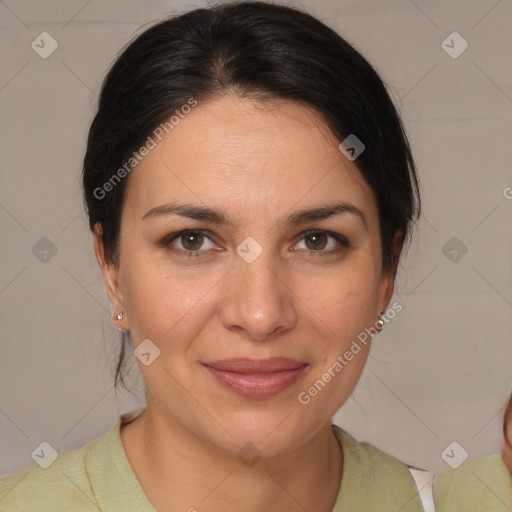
439	372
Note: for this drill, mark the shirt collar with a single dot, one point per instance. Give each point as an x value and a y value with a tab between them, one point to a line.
113	481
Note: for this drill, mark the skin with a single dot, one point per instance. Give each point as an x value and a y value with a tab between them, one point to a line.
258	163
506	448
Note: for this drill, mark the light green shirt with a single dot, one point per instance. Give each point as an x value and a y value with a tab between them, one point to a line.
99	477
478	485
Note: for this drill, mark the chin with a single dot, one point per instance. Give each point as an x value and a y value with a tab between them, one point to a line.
270	434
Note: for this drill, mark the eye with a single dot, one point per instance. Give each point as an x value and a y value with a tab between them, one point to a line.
316	242
191	242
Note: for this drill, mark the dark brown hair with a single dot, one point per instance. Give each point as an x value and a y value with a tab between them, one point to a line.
255	50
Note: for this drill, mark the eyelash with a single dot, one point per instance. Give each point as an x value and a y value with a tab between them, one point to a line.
166	242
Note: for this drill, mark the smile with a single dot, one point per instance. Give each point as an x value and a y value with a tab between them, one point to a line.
257	379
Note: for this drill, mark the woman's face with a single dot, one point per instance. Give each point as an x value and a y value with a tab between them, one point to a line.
258	287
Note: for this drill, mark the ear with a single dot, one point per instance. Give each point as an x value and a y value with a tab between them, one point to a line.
111	277
388	276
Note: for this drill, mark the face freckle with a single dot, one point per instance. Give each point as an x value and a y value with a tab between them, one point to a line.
258	165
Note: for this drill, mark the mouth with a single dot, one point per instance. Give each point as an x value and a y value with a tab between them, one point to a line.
253	378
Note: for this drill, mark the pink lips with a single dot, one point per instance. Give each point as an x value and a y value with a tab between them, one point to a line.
254	378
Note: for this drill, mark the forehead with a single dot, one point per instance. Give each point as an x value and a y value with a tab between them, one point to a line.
249	157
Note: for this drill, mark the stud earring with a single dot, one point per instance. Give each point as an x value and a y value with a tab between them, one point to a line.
380	321
119	316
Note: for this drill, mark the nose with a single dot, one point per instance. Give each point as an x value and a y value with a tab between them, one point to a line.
259	303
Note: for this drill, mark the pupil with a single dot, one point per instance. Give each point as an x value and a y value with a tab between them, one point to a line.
189	241
316	237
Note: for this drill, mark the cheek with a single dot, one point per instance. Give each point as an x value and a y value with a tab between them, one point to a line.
346	300
161	303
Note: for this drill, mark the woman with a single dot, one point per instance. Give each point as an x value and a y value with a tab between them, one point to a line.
250	189
479	485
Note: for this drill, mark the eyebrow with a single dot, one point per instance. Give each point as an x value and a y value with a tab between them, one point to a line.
218	217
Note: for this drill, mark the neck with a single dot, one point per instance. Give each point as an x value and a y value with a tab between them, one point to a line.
180	471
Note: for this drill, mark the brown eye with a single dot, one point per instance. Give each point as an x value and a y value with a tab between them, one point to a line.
321	242
188	243
192	241
318	241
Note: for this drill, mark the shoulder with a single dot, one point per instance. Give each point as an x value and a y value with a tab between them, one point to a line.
64	485
373	478
482	484
370	458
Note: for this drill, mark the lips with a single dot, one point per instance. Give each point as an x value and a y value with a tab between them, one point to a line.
274	364
257	379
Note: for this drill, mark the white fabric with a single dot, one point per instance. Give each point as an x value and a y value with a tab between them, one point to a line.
424	480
